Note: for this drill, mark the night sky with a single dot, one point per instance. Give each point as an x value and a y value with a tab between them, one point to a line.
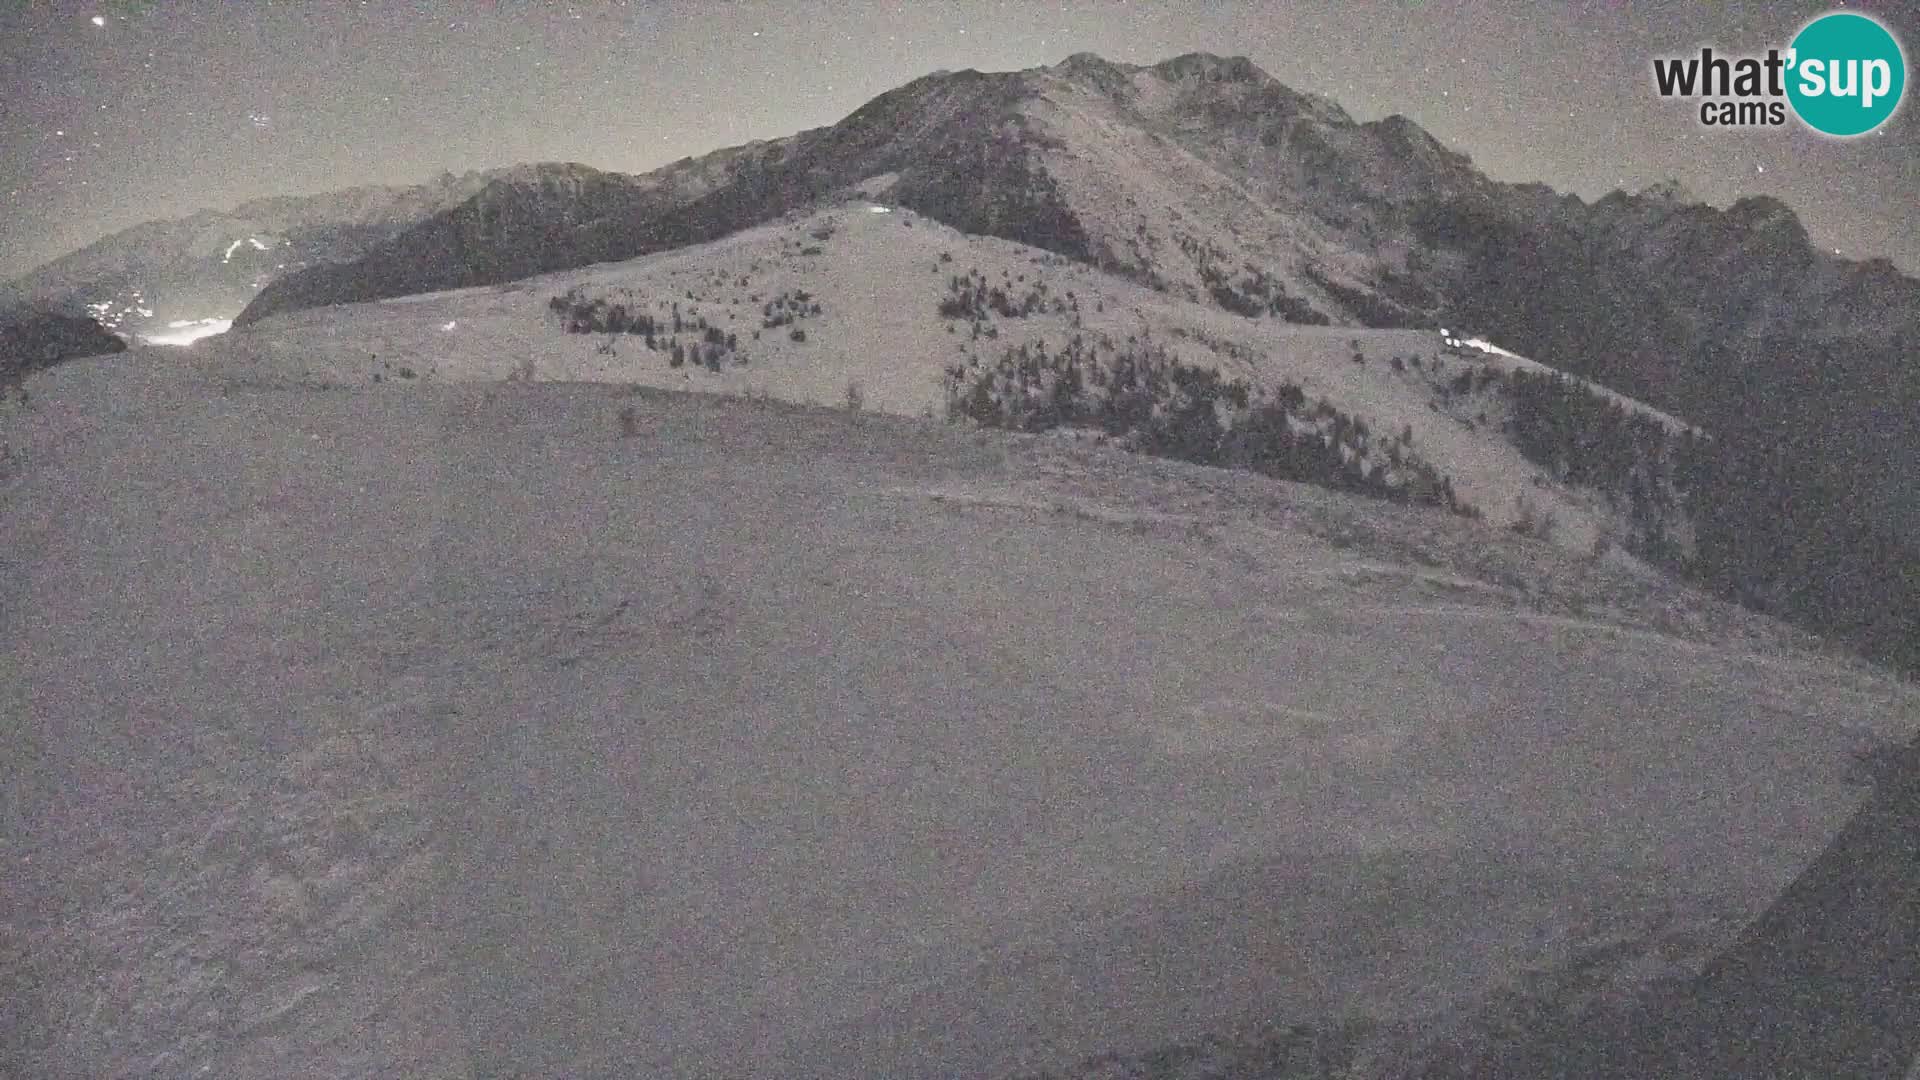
119	112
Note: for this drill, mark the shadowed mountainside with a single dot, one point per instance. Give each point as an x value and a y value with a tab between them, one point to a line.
1825	983
31	340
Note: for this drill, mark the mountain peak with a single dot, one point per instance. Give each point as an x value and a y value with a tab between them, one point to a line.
1211	68
1408	134
1088	61
1670	191
1758	208
1768	216
544	171
1096	70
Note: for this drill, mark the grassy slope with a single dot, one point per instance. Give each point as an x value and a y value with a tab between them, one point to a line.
442	729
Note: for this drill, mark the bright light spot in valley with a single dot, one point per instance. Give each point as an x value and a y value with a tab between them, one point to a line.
188	331
98	21
449	324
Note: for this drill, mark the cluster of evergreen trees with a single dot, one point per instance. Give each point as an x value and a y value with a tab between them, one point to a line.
710	347
1769	529
1162	406
1776	532
1583	437
788	307
580	315
1261	294
1375	309
1255	294
969	296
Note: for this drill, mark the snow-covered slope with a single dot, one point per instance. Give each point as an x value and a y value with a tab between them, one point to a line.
1203	177
557	730
878	275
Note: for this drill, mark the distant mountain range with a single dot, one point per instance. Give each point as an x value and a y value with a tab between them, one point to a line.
1200	176
208	266
1205	177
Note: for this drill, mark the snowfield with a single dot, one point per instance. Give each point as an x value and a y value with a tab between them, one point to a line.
443	729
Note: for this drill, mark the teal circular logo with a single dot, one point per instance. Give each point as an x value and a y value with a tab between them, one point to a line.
1846	74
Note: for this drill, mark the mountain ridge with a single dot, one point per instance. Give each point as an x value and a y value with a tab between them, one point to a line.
1206	177
212	262
970	149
